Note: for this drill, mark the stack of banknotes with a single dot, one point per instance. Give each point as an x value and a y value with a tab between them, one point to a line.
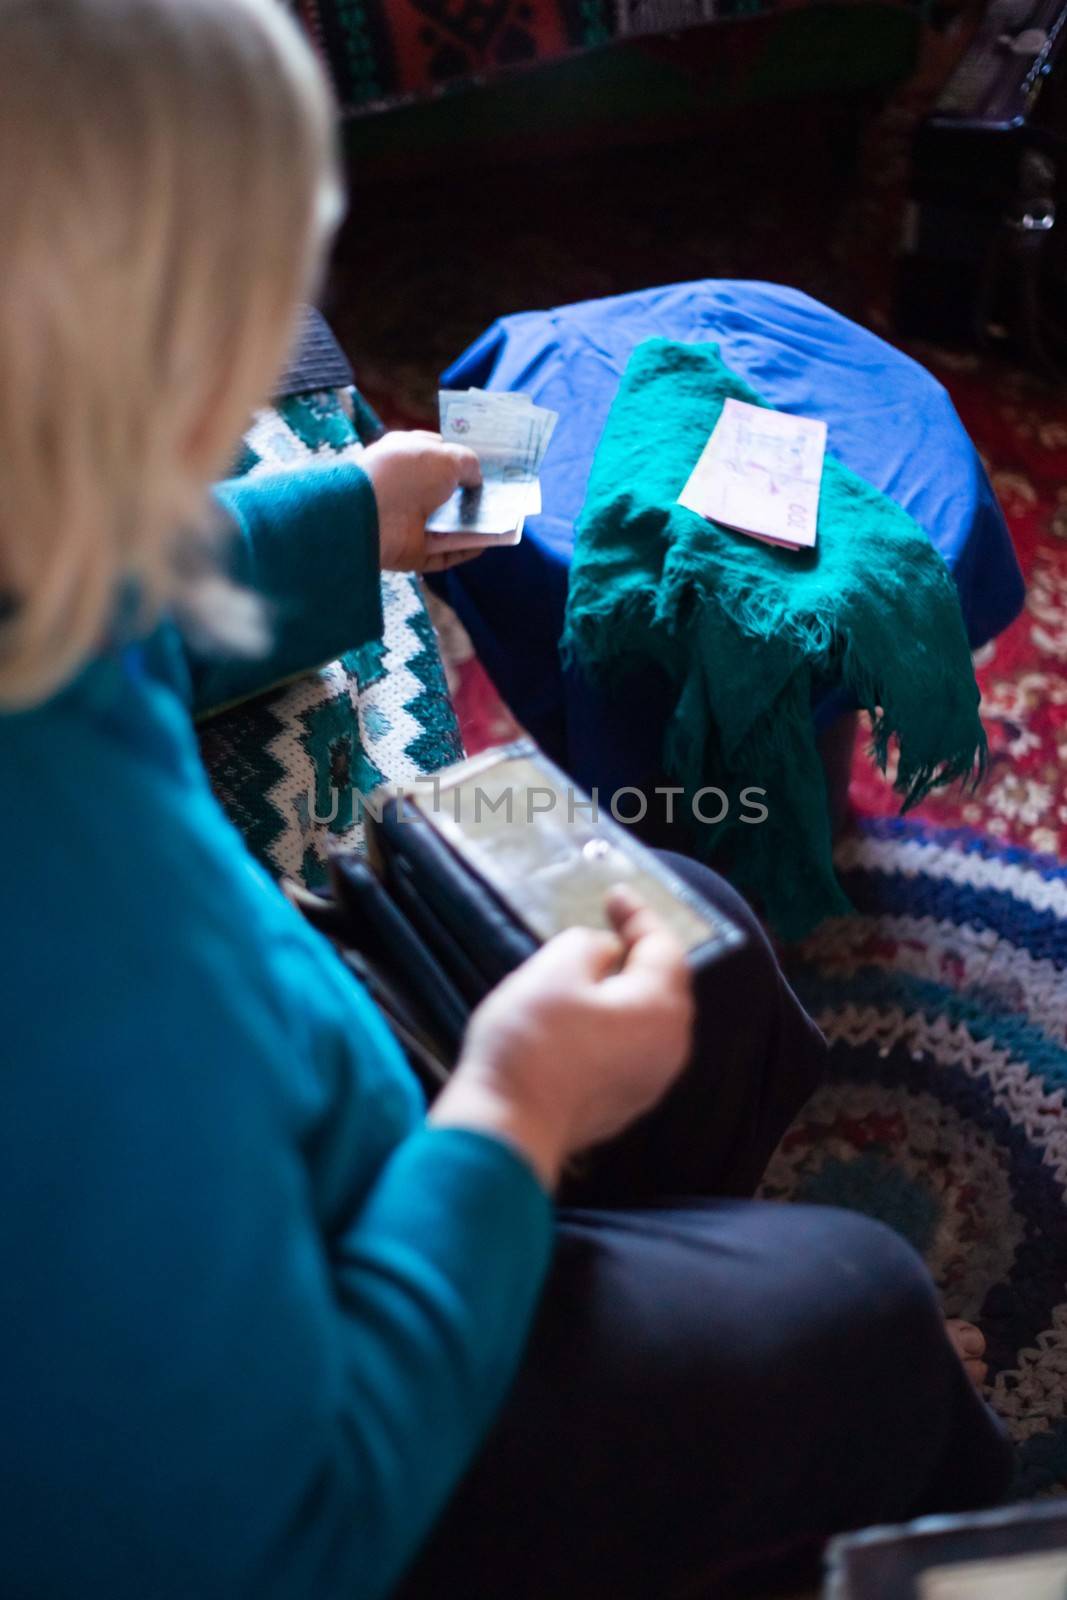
509	435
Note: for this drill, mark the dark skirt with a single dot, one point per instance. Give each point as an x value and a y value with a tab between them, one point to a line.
713	1380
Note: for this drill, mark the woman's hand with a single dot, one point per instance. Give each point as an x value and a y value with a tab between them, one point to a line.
585	1037
411	475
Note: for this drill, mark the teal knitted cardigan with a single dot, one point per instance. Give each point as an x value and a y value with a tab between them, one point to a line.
258	1314
748	633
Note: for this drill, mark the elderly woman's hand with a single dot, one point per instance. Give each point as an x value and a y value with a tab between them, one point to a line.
585	1037
411	475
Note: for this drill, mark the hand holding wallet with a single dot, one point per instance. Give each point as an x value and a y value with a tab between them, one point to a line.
468	873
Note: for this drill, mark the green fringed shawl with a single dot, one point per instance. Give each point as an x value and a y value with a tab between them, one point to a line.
748	633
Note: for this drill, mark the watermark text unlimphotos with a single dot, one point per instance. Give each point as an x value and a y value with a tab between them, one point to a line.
628	806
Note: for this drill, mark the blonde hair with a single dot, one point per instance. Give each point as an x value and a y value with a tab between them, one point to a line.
167	180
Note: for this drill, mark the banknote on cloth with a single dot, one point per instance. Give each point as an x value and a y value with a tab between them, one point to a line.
760	474
509	435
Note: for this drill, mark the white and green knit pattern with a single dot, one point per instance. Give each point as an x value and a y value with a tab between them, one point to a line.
289	766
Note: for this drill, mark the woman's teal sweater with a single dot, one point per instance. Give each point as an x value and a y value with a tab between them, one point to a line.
255	1316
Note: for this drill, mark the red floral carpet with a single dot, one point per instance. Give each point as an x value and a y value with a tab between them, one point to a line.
1021	431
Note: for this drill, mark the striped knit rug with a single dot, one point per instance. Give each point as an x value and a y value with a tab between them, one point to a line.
945	1003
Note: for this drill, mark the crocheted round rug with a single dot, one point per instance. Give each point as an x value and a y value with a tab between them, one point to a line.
945	1003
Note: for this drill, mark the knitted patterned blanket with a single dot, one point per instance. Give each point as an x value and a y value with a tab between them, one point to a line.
749	633
290	766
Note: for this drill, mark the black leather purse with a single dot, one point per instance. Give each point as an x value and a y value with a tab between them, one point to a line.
465	876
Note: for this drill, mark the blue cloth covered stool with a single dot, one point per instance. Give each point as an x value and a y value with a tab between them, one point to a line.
887	418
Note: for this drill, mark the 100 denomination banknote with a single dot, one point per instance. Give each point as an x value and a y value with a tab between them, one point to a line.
760	473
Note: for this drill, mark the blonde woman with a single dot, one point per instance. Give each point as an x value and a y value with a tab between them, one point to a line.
259	1311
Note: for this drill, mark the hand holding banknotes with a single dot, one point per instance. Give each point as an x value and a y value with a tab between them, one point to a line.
411	474
509	435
